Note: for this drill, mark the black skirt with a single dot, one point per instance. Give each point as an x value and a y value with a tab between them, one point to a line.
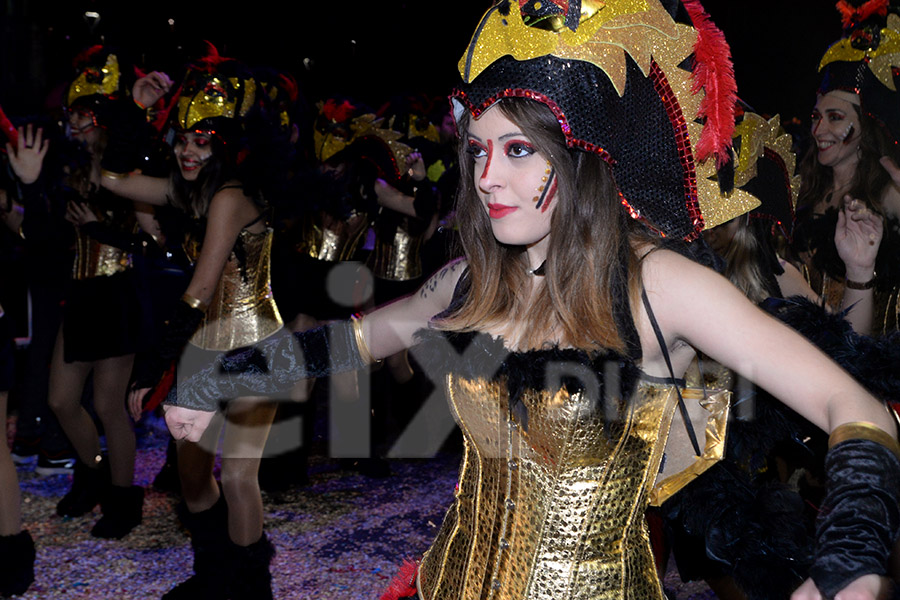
102	318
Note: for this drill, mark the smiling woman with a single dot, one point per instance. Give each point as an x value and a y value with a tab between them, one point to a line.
563	379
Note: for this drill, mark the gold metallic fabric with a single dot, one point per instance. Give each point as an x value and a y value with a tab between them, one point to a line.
708	411
555	512
227	97
880	60
93	259
329	239
398	258
92	81
860	430
242	310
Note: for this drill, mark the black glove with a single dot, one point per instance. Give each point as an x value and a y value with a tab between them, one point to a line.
860	516
272	367
179	329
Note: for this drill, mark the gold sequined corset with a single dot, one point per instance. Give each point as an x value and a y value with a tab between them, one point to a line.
397	257
886	309
330	239
242	310
554	510
96	259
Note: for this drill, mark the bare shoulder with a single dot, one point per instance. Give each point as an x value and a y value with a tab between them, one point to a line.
231	202
667	270
443	282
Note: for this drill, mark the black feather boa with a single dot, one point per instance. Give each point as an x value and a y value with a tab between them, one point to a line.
736	519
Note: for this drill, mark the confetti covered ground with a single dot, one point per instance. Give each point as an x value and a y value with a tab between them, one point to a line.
341	536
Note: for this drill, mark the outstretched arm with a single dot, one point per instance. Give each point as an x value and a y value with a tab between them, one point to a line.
137	187
274	365
855	535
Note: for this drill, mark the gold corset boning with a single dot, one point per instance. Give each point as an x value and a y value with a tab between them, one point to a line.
242	310
398	258
330	239
94	259
555	512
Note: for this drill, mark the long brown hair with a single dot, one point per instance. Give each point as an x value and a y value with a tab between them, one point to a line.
591	264
869	179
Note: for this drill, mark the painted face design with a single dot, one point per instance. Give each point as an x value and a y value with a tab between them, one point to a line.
835	130
507	171
82	124
193	149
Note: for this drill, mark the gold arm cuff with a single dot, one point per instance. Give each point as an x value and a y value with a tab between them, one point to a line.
194	302
112	175
361	345
859	430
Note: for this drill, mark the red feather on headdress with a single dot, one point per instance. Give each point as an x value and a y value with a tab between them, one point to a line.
856	14
404	583
714	73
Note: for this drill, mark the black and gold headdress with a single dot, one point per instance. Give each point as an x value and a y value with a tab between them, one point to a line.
652	96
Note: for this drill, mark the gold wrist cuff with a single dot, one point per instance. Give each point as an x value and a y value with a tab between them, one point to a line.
194	302
859	430
361	345
111	175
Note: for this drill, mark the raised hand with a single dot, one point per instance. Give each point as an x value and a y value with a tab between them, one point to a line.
27	158
150	88
857	238
79	213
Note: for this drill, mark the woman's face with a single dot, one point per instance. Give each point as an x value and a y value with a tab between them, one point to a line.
721	236
193	149
83	126
836	129
515	183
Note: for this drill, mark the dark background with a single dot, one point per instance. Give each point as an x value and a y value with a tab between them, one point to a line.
370	50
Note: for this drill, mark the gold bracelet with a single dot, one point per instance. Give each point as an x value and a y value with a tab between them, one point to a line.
361	346
112	175
194	302
859	430
860	285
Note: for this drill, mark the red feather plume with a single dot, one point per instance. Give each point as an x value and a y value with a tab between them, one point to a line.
714	73
856	14
403	585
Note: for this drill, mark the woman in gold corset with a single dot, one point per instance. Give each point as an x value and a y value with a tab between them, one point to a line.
101	316
559	333
227	304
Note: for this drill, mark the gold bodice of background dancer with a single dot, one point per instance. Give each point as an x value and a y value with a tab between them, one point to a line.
94	259
242	310
398	258
555	512
886	303
330	239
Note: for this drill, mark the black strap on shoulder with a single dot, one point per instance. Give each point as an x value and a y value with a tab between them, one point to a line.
662	345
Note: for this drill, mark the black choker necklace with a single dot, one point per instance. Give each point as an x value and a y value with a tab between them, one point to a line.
539	271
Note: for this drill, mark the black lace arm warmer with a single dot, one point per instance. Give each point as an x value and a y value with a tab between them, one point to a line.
860	516
274	365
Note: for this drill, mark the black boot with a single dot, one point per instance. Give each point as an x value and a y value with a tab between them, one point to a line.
122	511
167	480
248	567
88	487
209	541
17	560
